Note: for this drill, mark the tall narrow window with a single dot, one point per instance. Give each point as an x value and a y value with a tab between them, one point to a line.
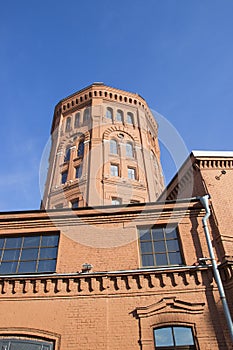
77	120
109	113
114	170
68	124
28	254
160	246
78	171
64	176
130	118
86	115
131	173
80	151
129	150
119	116
67	155
113	147
174	337
75	204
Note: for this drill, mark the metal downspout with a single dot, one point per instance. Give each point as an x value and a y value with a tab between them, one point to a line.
204	202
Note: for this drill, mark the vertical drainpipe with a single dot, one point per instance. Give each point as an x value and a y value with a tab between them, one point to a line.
204	202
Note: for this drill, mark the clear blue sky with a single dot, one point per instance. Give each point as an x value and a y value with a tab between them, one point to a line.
178	54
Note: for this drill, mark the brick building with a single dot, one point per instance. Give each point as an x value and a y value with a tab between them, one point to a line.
113	260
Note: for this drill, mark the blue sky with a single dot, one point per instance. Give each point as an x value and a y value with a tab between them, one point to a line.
177	54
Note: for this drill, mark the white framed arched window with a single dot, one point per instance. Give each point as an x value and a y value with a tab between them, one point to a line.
130	119
119	116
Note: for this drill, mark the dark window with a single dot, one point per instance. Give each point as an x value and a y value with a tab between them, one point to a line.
159	246
78	171
67	155
68	124
77	120
174	337
28	254
113	147
75	204
64	176
80	149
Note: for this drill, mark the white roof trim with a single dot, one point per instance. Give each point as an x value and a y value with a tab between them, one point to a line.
213	154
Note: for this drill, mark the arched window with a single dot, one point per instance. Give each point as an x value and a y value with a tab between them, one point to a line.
109	113
130	118
174	337
119	116
80	152
77	120
67	155
68	124
129	150
86	115
113	147
25	344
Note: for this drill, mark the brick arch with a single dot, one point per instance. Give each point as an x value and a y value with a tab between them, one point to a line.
67	142
118	128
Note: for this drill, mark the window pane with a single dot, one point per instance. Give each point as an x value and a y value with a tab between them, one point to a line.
78	172
163	337
29	254
27	266
172	245
175	258
159	246
2	240
49	241
157	233
161	259
31	241
11	254
146	247
80	149
47	266
8	267
147	260
18	345
113	146
119	116
75	204
13	242
64	177
145	235
48	253
129	150
183	336
114	170
171	233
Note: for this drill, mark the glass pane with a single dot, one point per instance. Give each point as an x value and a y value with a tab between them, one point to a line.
172	245
171	233
29	254
2	242
27	266
13	242
11	254
48	253
157	233
8	267
145	235
159	246
183	336
147	260
33	241
161	259
175	258
25	345
146	247
163	337
47	266
49	241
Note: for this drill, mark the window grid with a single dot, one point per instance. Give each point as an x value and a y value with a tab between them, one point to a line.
174	337
28	254
160	246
